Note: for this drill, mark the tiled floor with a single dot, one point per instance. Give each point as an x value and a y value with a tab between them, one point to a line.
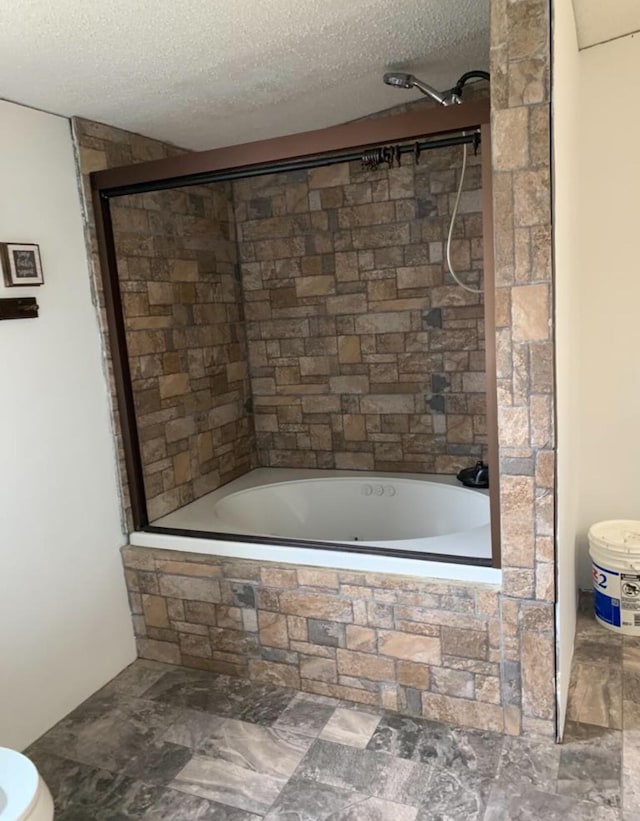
162	742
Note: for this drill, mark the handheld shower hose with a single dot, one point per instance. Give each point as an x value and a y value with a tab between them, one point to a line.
454	214
400	80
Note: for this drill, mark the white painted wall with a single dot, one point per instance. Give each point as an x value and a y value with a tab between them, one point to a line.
597	235
566	176
608	296
64	622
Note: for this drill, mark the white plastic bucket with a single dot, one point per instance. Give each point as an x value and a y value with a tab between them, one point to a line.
614	548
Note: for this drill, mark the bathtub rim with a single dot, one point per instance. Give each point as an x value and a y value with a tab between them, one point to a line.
326	555
298	544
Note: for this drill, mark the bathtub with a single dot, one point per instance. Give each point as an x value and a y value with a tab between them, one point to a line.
412	524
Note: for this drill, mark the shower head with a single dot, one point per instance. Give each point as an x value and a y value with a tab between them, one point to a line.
400	80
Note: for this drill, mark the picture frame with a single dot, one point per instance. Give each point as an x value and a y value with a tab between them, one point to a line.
21	264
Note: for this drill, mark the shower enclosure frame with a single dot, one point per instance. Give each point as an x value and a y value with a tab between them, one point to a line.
302	150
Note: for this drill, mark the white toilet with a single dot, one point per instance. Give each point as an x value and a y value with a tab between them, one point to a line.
23	794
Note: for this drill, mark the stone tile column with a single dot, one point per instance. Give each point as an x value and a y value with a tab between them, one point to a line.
520	89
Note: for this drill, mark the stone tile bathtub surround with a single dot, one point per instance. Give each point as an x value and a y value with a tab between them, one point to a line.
418	646
520	638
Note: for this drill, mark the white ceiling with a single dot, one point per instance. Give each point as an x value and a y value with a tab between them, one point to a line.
204	73
598	21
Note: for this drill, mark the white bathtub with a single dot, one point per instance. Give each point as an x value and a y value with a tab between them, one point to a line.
403	513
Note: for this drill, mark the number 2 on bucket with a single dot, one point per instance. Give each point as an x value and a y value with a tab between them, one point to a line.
606	595
599	578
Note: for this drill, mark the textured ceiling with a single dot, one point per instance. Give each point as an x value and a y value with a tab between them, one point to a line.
598	21
204	73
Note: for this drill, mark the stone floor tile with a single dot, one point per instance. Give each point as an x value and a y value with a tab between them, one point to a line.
506	804
109	731
312	801
588	629
303	800
598	649
406	782
172	805
439	744
229	782
135	679
631	684
580	731
75	812
631	771
221	695
591	764
73	784
305	715
158	763
351	727
243	765
369	808
81	792
457	749
270	750
631	655
133	802
596	697
630	714
355	770
397	735
262	704
528	763
193	729
455	796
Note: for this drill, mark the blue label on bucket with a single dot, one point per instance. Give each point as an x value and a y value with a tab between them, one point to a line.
607	609
606	595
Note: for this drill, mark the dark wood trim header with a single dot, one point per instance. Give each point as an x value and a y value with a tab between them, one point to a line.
359	134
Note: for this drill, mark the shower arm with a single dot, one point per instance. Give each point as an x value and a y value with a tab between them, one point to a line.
430	91
477	73
449	97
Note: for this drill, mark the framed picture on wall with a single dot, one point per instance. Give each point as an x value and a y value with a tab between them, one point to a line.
21	264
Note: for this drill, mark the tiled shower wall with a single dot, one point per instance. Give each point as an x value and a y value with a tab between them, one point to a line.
363	352
182	305
97	147
185	334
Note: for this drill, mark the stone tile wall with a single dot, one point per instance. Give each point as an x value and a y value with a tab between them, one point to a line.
100	146
183	312
520	67
415	645
363	353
